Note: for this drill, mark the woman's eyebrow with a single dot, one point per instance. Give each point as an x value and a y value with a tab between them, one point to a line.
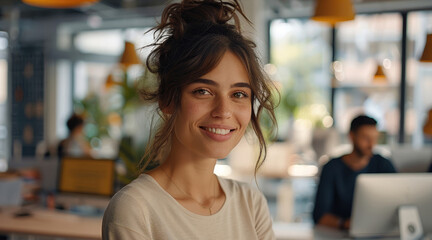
214	83
206	81
241	84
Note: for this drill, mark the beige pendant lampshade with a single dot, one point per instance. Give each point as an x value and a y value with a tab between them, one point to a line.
129	56
379	76
427	128
59	3
427	52
333	11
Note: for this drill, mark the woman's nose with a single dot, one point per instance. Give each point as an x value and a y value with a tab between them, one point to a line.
222	108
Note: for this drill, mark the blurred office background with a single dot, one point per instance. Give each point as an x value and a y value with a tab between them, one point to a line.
54	62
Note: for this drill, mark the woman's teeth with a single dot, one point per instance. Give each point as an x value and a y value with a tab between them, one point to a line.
218	131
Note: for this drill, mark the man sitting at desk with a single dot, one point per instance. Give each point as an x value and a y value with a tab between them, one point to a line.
333	202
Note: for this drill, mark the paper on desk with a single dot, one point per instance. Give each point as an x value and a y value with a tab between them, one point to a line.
10	191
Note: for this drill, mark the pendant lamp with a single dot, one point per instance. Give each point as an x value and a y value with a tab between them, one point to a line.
333	11
427	128
59	3
427	52
129	56
109	82
379	76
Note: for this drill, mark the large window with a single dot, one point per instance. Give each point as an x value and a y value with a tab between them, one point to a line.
419	76
92	85
300	57
3	101
363	45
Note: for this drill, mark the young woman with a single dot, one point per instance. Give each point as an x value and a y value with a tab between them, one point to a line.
211	90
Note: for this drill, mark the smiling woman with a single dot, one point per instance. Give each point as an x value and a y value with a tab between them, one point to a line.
215	110
211	89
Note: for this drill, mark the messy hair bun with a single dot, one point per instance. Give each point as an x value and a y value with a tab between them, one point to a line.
178	17
191	39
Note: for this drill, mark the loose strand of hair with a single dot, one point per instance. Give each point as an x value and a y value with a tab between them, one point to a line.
159	142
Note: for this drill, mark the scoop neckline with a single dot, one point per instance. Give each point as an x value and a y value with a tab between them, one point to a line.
185	210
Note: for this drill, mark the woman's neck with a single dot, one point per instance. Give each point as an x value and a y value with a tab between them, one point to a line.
190	180
192	174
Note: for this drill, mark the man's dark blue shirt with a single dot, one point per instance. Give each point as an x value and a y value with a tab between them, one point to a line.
336	186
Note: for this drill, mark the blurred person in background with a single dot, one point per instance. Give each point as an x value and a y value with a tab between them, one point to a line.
334	197
75	145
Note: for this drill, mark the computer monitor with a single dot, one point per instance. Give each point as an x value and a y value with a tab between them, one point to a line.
86	176
378	198
11	187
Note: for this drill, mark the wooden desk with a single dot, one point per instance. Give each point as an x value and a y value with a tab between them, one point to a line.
50	223
306	231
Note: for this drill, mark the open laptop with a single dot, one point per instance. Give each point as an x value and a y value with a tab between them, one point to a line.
85	184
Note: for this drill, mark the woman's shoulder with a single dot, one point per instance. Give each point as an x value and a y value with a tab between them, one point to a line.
138	190
234	184
239	188
130	209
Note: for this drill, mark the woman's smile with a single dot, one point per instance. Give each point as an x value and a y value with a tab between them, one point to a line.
218	133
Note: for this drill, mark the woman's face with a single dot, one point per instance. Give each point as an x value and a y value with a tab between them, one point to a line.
215	110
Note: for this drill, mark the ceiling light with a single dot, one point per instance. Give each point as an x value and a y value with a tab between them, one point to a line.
427	128
59	3
379	76
333	11
129	56
427	52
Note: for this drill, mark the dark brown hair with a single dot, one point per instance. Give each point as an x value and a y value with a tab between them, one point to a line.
191	39
74	121
360	121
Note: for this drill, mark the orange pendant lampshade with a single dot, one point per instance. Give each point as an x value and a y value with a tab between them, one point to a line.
109	82
427	52
379	76
427	128
129	56
333	11
59	3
